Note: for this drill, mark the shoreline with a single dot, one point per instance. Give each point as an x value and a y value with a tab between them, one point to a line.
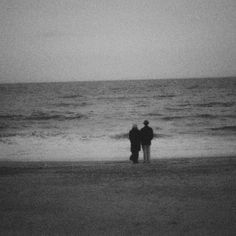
47	163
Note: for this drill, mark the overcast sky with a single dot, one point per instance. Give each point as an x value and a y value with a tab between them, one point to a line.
65	40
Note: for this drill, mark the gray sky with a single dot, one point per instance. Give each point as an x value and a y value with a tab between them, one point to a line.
55	40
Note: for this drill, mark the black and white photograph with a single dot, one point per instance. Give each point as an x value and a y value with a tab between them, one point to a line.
118	117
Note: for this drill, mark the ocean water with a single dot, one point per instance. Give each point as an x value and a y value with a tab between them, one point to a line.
76	121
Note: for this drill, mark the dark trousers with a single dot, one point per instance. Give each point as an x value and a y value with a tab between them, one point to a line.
134	156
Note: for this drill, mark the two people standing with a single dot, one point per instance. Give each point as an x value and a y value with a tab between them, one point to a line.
140	138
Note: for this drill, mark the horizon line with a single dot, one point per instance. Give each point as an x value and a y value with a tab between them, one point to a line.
113	80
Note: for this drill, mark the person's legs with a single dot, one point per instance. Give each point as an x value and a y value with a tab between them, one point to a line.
135	154
148	153
144	153
131	157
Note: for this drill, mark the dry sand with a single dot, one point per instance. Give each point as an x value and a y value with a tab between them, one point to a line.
167	197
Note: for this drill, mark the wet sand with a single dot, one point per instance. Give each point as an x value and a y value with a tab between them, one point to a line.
167	197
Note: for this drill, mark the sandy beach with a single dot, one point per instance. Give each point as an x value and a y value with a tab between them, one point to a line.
167	197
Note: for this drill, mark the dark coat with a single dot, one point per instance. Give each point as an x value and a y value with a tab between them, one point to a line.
146	135
134	137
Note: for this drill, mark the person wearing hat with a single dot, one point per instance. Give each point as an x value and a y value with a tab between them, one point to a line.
134	137
146	136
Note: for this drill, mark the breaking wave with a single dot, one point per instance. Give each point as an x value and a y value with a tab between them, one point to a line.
44	116
11	117
72	96
165	96
225	128
169	118
153	114
215	104
120	136
206	116
64	104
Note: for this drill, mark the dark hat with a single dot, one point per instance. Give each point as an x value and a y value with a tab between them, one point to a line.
146	122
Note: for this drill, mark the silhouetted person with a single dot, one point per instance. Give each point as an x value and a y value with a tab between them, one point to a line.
134	137
146	136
